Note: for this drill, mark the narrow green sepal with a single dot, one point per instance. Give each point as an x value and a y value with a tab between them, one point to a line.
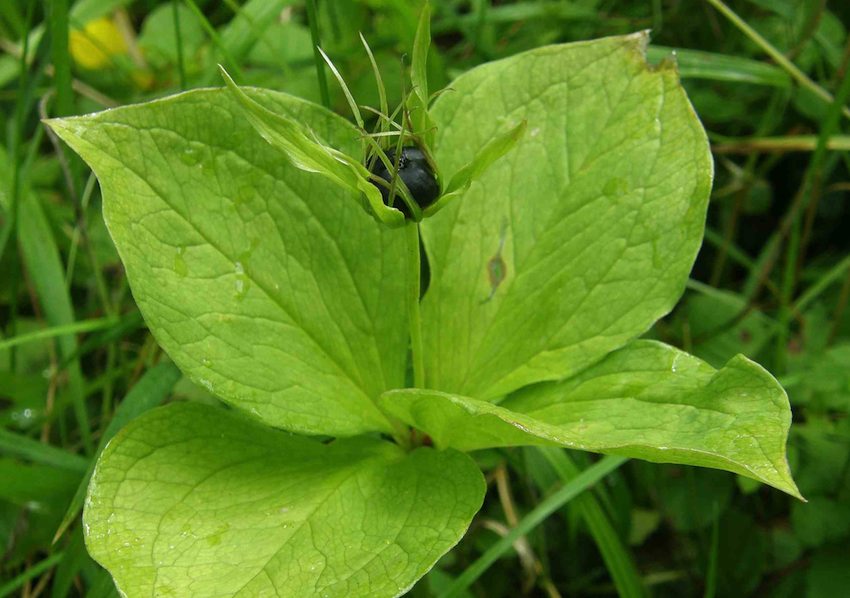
305	152
462	179
417	102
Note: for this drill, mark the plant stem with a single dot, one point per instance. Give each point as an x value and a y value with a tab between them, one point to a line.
824	282
412	233
232	63
312	17
840	305
789	276
789	143
57	13
181	68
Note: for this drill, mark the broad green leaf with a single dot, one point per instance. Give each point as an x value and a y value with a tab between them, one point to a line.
190	500
265	284
579	238
647	401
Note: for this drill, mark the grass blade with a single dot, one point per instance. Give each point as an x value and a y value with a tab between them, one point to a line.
181	67
44	267
711	573
75	557
232	62
73	328
25	447
31	572
696	64
549	505
834	274
617	557
776	55
355	110
795	248
313	18
383	123
151	390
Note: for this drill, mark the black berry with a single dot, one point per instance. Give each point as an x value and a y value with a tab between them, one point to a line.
414	170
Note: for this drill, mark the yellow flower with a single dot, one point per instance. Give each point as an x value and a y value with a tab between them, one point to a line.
100	39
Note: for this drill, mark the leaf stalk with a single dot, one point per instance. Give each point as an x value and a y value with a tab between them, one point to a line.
414	265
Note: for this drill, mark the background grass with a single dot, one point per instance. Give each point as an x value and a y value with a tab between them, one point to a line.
770	80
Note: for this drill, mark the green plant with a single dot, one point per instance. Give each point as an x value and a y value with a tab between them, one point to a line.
274	289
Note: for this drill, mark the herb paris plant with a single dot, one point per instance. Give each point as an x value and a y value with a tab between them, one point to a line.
266	282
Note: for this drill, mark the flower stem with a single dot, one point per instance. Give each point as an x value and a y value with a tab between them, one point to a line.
412	232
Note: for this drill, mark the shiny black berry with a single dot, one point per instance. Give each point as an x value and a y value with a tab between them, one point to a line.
414	170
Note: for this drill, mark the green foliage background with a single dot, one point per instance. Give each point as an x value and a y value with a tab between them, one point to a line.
772	280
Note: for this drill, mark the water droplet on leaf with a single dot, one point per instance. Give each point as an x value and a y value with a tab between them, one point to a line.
180	263
243	195
242	282
191	156
615	187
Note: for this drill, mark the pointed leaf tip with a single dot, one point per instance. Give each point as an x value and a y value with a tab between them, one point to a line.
646	401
